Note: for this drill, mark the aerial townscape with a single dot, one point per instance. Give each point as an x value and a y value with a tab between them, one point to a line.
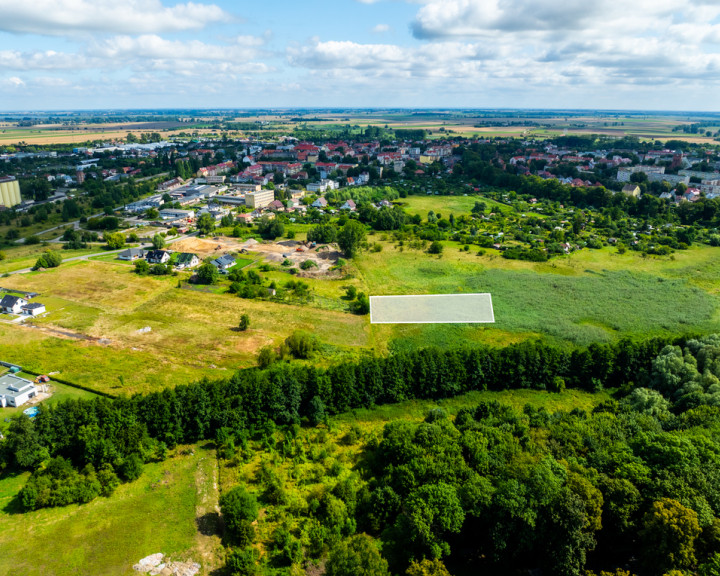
435	292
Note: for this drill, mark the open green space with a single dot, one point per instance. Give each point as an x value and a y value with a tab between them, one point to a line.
585	297
156	513
94	332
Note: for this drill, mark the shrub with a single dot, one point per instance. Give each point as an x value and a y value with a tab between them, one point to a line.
307	264
435	248
50	259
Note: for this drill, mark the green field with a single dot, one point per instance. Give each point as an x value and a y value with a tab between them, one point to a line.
96	311
585	297
107	536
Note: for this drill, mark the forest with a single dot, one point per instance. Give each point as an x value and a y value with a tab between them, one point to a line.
632	484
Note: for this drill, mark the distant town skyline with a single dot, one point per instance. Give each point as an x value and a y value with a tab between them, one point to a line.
85	54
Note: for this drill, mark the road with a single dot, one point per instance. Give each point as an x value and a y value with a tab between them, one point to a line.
106	252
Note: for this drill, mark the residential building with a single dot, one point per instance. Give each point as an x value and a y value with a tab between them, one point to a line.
33	309
15	391
175	213
131	254
158	256
631	190
224	263
186	260
259	199
12	304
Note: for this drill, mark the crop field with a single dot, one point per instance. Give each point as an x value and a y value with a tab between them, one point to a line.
156	513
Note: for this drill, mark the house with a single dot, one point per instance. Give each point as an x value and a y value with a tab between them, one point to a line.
131	254
33	309
12	304
158	256
224	263
631	190
15	391
276	205
247	218
320	203
349	205
186	260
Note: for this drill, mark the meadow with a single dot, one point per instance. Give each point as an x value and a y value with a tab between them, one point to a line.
156	513
95	331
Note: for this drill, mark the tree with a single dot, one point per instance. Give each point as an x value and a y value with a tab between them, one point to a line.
114	240
141	267
152	214
668	536
239	510
427	568
49	259
350	237
158	242
301	344
270	228
207	273
357	556
244	322
205	223
435	248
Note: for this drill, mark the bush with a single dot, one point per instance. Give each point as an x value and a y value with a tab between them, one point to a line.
50	259
239	510
435	248
301	344
307	264
244	322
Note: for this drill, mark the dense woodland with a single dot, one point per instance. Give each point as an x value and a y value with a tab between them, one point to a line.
634	482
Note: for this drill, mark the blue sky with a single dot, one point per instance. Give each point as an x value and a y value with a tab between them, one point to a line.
80	54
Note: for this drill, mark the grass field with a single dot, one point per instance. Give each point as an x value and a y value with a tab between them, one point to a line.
96	310
107	536
585	297
26	256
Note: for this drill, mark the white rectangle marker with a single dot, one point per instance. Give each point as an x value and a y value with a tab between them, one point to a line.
432	309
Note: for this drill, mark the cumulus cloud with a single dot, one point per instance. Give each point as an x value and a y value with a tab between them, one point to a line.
58	17
47	60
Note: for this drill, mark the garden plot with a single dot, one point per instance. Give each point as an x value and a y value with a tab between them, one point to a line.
432	309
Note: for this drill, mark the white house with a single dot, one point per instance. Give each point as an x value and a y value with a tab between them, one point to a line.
15	391
12	304
224	263
33	309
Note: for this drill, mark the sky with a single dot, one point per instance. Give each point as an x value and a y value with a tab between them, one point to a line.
579	54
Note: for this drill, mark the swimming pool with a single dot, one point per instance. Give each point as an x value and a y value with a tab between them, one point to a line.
31	412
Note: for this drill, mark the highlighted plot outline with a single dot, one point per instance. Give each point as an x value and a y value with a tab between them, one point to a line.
432	309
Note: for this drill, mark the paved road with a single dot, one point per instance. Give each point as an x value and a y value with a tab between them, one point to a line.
105	252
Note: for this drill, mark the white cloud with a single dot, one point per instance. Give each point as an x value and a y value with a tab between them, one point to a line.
381	28
13	82
58	17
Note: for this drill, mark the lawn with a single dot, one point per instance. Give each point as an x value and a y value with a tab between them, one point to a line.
446	205
107	536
